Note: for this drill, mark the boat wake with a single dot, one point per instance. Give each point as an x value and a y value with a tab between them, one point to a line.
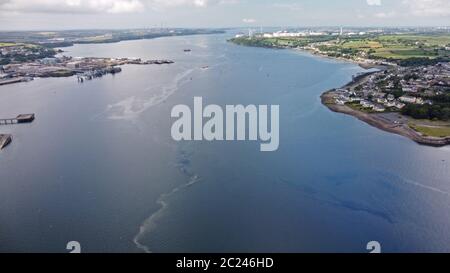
426	187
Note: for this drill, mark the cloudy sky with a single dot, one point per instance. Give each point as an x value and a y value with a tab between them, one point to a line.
77	14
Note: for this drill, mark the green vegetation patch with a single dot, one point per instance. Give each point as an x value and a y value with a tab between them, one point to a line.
280	42
403	49
433	131
362	44
358	107
7	44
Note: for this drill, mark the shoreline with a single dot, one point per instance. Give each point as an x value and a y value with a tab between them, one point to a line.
364	65
378	120
85	68
111	40
375	120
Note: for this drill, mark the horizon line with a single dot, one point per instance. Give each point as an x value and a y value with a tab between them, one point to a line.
223	28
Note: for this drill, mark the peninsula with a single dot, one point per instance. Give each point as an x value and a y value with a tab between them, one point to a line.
65	38
407	94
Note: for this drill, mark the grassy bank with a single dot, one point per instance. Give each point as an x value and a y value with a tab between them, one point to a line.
433	131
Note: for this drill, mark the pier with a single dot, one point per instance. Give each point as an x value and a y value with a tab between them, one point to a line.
5	140
11	81
23	118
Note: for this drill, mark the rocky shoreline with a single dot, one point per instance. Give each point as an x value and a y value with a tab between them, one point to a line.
379	121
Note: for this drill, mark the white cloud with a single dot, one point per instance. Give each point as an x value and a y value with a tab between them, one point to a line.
72	6
175	3
99	6
249	20
428	7
374	2
385	14
289	6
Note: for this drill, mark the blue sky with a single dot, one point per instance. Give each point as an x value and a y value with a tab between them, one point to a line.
63	14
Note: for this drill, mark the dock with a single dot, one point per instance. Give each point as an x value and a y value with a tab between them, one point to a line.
11	81
23	118
5	140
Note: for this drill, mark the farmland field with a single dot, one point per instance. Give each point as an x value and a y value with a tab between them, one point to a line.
401	46
390	47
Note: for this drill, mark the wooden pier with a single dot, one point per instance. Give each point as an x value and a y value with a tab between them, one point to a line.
23	118
5	140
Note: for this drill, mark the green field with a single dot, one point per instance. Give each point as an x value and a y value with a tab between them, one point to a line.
401	53
388	47
400	47
433	131
428	40
280	42
358	107
362	44
17	44
7	44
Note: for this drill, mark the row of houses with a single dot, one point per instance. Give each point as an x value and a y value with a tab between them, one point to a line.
377	103
429	80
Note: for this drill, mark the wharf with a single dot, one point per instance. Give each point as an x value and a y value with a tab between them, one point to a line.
23	118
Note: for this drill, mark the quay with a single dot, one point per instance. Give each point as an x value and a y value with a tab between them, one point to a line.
5	140
11	81
23	118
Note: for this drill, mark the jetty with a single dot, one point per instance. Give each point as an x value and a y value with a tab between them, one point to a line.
11	81
23	118
5	140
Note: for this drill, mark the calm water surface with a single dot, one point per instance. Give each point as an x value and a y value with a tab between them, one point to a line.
99	166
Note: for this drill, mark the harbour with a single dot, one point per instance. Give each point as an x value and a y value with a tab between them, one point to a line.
85	68
101	166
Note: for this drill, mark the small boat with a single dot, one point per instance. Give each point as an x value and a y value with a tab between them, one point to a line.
187	50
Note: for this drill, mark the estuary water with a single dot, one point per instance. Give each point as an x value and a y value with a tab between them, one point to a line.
99	166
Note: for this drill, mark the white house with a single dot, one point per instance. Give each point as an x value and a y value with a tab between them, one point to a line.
399	105
379	108
389	104
408	99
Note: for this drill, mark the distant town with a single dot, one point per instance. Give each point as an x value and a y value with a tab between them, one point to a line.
410	89
27	55
85	68
411	101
